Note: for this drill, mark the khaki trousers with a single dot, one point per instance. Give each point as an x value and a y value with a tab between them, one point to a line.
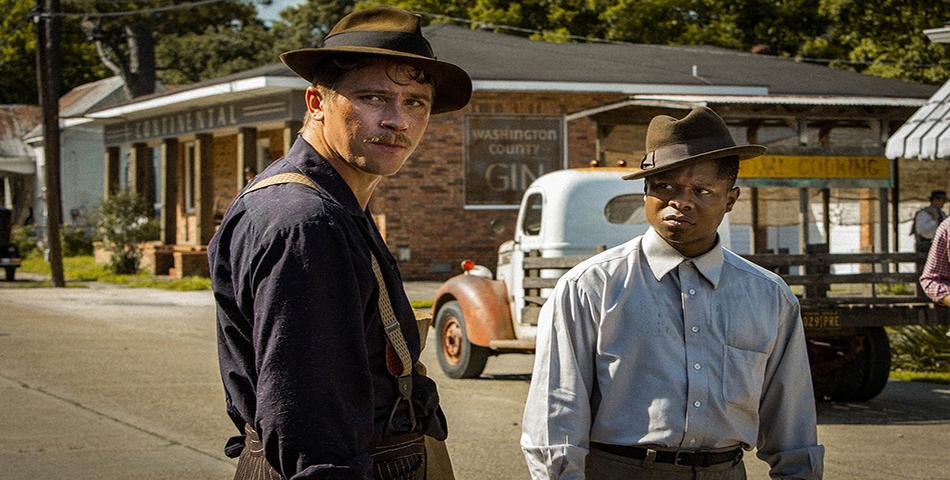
607	466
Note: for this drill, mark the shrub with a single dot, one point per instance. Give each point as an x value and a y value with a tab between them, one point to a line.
27	240
124	222
920	348
77	241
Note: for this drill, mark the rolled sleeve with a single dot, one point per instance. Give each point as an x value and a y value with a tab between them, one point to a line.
557	418
788	436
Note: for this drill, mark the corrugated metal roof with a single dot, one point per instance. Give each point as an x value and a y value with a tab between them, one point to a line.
926	135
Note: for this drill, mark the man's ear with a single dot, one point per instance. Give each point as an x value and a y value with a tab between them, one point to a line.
315	103
732	198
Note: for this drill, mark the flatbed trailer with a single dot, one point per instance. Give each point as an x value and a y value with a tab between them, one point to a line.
844	314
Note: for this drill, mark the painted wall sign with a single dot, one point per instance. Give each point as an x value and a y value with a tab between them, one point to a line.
504	154
205	119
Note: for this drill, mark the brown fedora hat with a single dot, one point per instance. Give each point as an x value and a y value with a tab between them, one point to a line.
700	135
393	33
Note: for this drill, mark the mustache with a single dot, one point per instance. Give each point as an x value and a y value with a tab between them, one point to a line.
395	138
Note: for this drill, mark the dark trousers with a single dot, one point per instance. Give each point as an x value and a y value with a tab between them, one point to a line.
601	465
399	457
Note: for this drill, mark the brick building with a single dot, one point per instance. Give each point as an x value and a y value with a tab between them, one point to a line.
537	106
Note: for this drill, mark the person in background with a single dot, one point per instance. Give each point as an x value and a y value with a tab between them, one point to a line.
935	277
926	220
304	283
668	356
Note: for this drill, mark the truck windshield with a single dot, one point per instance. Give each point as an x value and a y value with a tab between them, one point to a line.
626	209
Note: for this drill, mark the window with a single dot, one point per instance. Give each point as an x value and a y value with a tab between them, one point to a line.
532	215
626	209
263	154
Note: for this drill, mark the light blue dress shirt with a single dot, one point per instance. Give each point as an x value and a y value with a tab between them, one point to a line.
641	346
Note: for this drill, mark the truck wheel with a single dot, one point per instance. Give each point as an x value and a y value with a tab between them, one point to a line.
877	350
457	356
861	369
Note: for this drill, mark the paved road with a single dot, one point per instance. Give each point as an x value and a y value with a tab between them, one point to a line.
122	383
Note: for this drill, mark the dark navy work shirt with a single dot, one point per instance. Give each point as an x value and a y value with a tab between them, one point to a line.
300	340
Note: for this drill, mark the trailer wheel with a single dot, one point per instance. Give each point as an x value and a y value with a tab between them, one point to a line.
457	356
877	350
851	367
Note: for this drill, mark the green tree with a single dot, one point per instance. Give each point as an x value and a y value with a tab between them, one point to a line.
884	38
18	55
305	25
128	43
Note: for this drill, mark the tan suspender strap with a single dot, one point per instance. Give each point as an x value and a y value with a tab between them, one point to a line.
394	337
288	177
391	326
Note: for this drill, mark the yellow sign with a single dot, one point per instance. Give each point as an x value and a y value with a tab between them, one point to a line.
821	319
797	166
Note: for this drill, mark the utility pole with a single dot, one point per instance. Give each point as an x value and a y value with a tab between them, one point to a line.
47	25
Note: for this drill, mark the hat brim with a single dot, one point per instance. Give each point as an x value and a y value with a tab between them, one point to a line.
744	152
452	91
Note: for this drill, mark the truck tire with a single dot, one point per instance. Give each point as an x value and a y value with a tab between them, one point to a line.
457	356
877	350
865	373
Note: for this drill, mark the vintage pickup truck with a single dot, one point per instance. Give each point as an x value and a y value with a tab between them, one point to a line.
566	216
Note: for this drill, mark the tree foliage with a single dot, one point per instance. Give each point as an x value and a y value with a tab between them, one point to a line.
78	63
882	38
203	42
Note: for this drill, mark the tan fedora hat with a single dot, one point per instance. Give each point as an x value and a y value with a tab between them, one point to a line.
393	33
700	135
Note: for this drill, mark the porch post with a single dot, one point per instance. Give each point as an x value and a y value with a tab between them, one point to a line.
204	195
169	173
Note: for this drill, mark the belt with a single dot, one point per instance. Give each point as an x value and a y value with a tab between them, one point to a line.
682	458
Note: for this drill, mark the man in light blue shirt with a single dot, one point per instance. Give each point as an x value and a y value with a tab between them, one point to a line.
668	356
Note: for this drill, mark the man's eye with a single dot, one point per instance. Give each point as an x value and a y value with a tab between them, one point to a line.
702	191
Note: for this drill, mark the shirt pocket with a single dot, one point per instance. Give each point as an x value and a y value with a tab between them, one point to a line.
743	375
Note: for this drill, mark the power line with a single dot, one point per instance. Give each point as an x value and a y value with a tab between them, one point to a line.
132	12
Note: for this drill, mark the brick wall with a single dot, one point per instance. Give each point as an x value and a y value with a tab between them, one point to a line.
424	202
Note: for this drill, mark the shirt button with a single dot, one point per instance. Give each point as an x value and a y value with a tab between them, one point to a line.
697	366
692	440
692	291
694	329
697	404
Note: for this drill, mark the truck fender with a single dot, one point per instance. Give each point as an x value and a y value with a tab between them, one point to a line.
484	305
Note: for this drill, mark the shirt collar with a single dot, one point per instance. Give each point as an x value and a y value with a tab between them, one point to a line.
663	258
313	165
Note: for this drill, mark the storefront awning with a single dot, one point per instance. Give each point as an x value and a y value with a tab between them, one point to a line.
926	135
18	165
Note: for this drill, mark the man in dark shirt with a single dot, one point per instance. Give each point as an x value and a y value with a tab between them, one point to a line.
302	349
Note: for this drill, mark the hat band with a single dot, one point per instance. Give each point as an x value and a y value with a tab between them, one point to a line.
680	151
399	42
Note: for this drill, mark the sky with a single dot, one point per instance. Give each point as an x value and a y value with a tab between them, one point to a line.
272	12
